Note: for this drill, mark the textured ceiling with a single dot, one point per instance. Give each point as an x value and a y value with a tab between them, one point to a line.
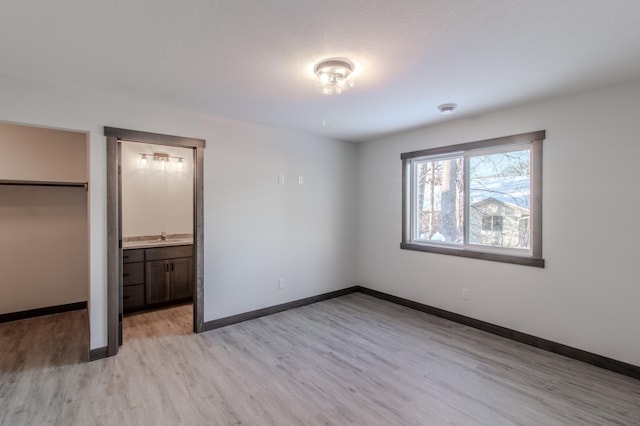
250	60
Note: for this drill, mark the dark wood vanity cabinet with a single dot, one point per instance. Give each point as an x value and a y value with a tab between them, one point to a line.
157	281
166	276
169	279
133	279
181	285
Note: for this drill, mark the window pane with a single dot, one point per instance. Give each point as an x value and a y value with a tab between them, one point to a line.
439	210
499	199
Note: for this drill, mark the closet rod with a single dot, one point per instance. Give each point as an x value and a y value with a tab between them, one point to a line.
57	184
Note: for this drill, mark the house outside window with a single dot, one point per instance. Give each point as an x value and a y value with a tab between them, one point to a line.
476	199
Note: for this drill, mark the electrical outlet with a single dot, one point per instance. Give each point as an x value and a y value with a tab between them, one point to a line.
465	294
280	283
281	179
300	180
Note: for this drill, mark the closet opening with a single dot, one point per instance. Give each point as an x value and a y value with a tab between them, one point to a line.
44	249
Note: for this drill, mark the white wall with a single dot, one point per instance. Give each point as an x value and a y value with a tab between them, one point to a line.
156	197
587	296
256	231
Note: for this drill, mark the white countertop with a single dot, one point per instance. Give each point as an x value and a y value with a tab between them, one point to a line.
156	243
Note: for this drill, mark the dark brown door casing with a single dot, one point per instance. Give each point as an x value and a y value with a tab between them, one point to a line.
115	137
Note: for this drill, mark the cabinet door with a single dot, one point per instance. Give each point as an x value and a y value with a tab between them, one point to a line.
157	281
181	278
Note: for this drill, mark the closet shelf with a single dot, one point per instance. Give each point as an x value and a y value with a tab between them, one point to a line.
43	183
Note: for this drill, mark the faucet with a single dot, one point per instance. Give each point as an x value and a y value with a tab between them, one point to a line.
163	236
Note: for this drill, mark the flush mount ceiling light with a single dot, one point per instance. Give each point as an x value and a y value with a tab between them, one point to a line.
447	108
333	75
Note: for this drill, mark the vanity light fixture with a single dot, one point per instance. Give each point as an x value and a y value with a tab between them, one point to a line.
334	75
163	159
161	156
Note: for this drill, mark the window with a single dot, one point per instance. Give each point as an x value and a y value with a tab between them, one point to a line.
479	199
492	223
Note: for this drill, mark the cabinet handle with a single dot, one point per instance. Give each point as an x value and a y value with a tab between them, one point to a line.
126	297
126	274
171	266
167	267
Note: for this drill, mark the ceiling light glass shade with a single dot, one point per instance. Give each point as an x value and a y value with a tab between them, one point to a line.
334	76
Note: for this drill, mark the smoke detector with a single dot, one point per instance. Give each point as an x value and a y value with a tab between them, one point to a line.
447	108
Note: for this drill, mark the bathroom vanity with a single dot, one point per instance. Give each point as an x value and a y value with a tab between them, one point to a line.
156	273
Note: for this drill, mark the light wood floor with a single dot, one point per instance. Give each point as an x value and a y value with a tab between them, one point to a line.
353	360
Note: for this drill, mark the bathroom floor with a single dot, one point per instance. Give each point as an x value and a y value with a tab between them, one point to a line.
171	321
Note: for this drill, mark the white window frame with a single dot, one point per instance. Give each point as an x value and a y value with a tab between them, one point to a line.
530	257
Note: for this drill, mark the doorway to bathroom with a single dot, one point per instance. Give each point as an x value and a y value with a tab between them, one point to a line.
155	229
